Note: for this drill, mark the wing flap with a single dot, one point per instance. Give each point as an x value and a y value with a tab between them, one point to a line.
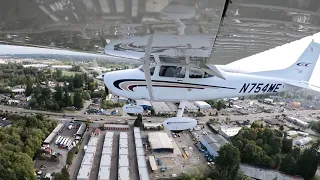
304	85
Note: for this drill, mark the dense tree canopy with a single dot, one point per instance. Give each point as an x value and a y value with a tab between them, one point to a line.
19	143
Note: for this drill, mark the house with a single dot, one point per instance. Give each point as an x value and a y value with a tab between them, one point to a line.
96	132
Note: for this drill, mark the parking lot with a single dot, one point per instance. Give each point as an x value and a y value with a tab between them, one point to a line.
52	166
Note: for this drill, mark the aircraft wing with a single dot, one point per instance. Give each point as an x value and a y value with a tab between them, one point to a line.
207	31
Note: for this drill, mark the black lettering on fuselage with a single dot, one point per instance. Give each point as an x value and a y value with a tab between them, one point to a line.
271	88
277	87
244	87
258	87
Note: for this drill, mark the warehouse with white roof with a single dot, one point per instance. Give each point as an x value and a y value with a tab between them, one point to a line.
88	159
105	162
202	105
123	172
160	142
142	164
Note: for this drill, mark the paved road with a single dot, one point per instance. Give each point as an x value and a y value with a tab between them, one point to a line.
115	157
85	107
154	119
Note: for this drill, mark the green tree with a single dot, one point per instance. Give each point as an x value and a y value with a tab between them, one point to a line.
78	101
307	163
286	145
296	153
63	175
288	165
227	163
138	121
58	94
29	89
255	125
67	99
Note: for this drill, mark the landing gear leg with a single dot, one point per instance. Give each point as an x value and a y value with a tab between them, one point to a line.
182	105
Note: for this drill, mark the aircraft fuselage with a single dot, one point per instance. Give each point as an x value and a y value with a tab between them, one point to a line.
132	84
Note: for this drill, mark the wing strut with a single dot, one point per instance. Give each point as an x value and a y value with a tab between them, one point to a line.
146	66
182	105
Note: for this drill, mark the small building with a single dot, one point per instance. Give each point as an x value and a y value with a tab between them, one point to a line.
123	135
124	173
268	101
123	143
96	132
93	141
153	164
84	172
292	134
123	151
160	142
304	141
228	132
152	126
298	122
108	142
123	161
213	143
118	127
81	130
18	91
104	173
202	105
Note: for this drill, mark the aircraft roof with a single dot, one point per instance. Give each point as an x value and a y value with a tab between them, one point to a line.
247	27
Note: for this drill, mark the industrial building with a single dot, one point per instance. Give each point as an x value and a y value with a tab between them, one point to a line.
81	131
118	127
53	134
154	126
202	105
160	142
304	141
228	132
87	161
298	122
213	143
142	164
105	162
161	107
191	107
123	173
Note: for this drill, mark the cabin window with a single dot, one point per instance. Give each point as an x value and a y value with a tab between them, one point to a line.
151	70
195	73
198	73
172	71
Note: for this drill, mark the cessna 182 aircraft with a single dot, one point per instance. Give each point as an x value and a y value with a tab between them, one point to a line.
184	46
182	79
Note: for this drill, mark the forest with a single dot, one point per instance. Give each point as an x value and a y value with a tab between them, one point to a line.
76	88
269	148
20	143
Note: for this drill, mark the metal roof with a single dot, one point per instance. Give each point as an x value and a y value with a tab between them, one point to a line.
108	142
104	173
140	151
123	150
123	173
49	139
81	129
105	160
84	171
107	150
123	135
58	128
93	141
109	135
143	173
123	143
138	143
123	161
160	140
88	158
141	161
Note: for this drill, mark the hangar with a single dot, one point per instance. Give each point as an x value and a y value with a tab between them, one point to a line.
160	142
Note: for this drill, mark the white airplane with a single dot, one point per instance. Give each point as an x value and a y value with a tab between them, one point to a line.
190	80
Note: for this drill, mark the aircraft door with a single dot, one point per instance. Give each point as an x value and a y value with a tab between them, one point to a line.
169	84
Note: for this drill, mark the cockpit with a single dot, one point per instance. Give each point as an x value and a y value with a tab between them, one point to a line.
177	72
